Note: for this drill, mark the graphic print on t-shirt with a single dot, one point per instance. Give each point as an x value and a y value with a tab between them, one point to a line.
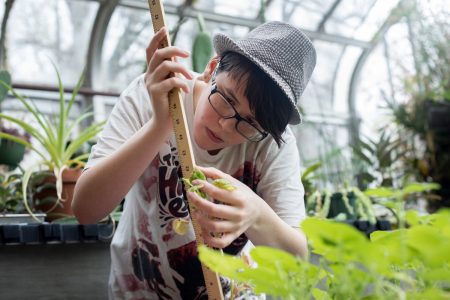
147	267
185	263
172	205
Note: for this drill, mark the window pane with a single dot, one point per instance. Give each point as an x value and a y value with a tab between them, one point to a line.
304	14
245	9
123	56
43	31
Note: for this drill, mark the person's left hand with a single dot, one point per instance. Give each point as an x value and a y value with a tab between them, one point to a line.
223	222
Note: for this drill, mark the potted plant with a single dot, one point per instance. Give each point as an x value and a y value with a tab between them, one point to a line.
400	264
349	205
408	263
12	208
424	118
11	152
58	141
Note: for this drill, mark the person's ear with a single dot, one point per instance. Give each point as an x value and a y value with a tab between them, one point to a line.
209	69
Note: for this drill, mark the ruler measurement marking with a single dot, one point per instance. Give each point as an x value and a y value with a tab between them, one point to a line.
185	154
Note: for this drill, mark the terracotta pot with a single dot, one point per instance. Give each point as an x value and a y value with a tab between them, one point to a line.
64	208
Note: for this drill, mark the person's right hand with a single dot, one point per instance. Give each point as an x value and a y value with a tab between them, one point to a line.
160	64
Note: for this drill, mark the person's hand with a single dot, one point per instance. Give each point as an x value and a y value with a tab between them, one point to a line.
238	211
161	63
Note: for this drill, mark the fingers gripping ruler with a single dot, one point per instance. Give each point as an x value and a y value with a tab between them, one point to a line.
185	154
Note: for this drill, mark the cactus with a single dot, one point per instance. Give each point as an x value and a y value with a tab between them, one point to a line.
201	48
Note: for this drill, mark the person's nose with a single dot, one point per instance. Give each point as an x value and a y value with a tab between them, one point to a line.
227	125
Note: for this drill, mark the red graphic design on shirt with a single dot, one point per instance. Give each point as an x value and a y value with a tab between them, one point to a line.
187	271
144	226
130	283
150	179
147	268
249	175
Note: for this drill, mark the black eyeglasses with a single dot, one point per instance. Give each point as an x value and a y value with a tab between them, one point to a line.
226	110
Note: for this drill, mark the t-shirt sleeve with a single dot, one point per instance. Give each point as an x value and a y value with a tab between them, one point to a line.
130	113
280	185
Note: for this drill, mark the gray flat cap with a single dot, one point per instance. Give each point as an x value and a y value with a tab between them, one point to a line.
282	51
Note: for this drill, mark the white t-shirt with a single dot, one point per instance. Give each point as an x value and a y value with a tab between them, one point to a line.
148	259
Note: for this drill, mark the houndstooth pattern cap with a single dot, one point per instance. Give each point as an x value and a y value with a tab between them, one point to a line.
282	51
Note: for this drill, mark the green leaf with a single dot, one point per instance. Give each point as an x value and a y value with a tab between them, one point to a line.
273	258
5	81
435	275
310	169
381	192
320	295
419	188
197	174
390	204
265	280
227	265
441	221
223	184
413	218
428	293
335	241
428	242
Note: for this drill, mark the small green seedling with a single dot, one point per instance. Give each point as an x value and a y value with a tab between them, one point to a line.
180	225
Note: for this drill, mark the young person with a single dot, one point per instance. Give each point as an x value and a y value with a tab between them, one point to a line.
237	112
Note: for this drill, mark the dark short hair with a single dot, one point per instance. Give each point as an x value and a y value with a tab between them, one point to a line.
271	107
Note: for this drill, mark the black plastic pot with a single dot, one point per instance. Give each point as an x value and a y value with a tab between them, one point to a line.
71	233
337	206
54	233
438	116
11	153
438	144
367	228
10	234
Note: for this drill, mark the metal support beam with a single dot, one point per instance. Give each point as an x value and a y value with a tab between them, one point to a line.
94	53
354	124
251	23
328	14
85	91
98	34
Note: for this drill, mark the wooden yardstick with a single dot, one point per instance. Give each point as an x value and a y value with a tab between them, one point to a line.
176	107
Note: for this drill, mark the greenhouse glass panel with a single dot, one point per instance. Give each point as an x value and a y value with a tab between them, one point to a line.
304	14
327	143
374	20
41	32
374	87
129	32
348	16
344	74
244	9
123	53
318	96
390	75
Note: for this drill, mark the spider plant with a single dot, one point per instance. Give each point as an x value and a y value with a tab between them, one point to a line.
55	135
